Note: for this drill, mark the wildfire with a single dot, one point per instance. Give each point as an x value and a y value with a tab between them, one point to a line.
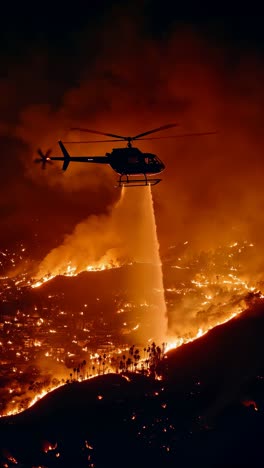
34	400
173	344
212	293
72	271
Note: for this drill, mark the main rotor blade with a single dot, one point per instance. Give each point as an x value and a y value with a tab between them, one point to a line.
179	136
97	132
90	141
163	127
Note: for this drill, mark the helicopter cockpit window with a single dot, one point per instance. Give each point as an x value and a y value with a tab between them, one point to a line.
149	161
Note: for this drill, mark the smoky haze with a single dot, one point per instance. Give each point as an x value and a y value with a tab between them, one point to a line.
211	191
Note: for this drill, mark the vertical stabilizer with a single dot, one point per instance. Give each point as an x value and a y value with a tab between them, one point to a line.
66	156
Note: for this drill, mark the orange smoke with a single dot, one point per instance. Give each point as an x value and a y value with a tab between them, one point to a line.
127	235
122	236
212	188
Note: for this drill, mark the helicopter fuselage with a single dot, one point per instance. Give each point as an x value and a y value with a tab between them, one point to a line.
131	161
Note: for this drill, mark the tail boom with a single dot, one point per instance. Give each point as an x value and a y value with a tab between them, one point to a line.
67	158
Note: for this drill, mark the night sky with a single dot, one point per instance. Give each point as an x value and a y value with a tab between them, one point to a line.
127	67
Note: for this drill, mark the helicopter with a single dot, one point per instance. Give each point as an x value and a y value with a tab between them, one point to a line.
128	162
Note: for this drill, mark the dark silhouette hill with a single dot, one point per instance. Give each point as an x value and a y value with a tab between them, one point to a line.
233	350
206	412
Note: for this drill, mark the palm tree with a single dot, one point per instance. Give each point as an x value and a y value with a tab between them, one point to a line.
128	363
100	360
121	366
163	348
136	358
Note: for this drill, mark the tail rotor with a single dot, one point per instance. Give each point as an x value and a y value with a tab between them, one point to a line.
44	158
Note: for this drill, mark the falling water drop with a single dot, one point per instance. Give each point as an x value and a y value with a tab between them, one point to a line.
145	280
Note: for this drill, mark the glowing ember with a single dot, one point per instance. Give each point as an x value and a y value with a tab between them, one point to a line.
250	403
47	446
12	460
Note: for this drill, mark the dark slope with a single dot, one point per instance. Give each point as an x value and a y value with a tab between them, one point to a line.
228	356
194	418
76	413
224	371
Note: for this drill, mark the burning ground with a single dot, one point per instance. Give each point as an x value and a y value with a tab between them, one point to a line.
206	411
48	330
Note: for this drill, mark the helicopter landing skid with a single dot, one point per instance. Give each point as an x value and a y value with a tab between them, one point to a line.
124	181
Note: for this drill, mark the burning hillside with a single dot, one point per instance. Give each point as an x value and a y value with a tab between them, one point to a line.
204	394
68	319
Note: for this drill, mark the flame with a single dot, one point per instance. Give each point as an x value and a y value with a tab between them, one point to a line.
72	271
32	402
176	343
207	295
42	281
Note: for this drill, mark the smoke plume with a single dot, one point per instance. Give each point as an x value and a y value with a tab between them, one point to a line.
212	188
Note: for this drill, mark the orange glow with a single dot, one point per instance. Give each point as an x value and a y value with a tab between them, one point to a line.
12	460
71	271
34	400
180	341
47	446
249	403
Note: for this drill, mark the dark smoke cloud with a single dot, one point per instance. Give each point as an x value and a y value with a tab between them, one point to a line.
127	81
